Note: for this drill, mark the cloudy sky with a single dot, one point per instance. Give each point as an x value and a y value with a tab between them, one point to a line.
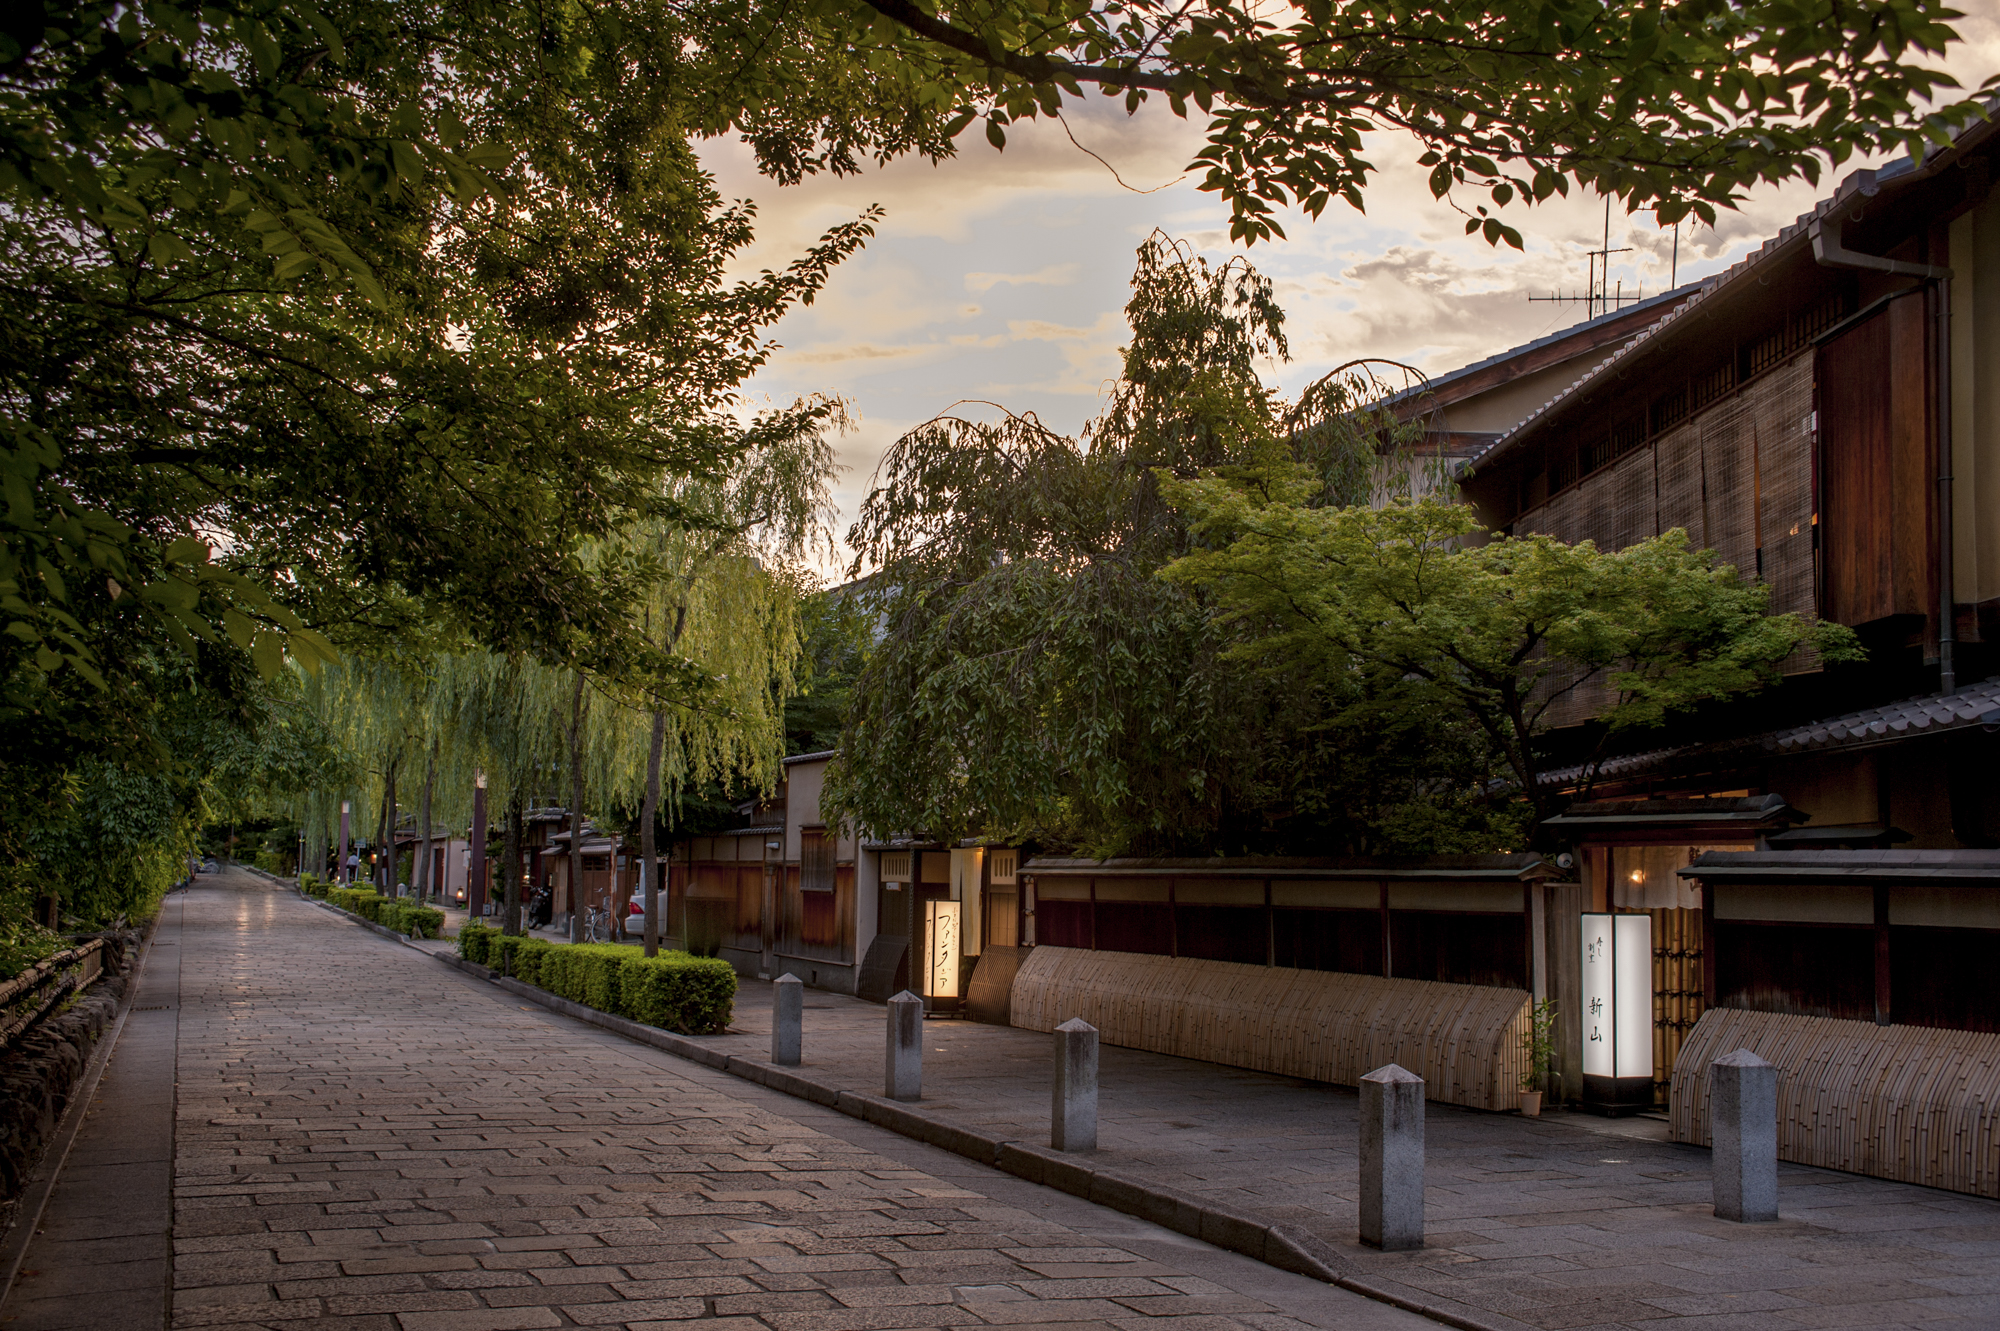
1002	276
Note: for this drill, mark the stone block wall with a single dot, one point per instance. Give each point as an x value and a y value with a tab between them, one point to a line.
40	1072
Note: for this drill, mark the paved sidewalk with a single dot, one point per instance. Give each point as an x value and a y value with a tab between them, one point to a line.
100	1257
347	1157
1567	1222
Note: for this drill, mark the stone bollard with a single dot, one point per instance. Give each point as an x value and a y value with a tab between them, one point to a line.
1392	1159
1743	1131
1073	1103
788	1020
903	1069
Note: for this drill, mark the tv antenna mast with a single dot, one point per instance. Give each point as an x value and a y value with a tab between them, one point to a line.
1599	297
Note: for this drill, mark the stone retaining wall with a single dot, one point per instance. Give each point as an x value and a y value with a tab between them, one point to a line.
40	1072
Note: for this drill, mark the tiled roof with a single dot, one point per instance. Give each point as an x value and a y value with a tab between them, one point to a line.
1936	713
1431	385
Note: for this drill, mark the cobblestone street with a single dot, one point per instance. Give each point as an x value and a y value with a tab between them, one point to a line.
362	1137
366	1140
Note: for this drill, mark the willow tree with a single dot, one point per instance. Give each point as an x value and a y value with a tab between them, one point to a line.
726	595
1036	677
373	708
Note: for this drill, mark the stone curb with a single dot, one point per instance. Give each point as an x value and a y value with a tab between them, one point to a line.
1286	1247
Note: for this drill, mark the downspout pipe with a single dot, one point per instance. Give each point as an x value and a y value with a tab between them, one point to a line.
1830	253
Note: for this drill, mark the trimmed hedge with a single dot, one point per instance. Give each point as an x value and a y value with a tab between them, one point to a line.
410	917
674	991
391	913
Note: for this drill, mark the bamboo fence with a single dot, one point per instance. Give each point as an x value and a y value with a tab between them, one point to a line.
1912	1103
1464	1040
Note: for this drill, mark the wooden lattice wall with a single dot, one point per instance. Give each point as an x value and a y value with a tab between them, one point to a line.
1912	1103
1463	1040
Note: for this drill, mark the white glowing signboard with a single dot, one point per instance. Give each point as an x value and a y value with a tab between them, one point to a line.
1617	995
946	944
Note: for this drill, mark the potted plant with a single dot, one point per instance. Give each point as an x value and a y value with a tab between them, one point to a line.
1539	1044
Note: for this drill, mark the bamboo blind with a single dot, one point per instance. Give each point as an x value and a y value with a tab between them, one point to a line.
1912	1103
1737	478
1463	1040
1683	488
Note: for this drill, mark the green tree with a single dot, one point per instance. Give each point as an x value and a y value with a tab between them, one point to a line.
354	317
1671	107
1034	675
1497	630
838	633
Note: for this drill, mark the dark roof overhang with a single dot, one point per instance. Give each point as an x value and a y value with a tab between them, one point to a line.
1739	815
1807	868
1428	868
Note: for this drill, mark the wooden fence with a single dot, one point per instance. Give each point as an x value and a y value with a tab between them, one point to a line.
1463	1040
1912	1103
40	989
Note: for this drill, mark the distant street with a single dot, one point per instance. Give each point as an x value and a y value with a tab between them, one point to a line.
367	1140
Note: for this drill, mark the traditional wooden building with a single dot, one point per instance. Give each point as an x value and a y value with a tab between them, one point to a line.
1826	416
1810	874
780	892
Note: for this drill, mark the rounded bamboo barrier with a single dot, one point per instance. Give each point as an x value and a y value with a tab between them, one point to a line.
1911	1103
1464	1040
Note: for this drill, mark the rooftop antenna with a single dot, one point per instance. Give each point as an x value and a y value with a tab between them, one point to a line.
1598	297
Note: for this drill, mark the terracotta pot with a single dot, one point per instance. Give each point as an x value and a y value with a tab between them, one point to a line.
1531	1104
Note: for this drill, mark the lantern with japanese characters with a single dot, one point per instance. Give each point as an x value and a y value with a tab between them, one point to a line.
1617	1012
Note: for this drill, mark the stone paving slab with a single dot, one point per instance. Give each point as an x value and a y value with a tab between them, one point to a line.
100	1259
1567	1221
364	1139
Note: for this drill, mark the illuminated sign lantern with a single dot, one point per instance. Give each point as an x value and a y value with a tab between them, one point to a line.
1617	1011
941	920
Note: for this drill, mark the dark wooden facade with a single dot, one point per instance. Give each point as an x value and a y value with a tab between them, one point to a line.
1457	919
1897	937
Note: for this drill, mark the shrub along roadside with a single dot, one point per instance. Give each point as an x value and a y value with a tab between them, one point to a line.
405	917
674	991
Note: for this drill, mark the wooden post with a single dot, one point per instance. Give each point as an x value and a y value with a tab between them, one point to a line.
1388	965
1882	1017
475	870
1707	946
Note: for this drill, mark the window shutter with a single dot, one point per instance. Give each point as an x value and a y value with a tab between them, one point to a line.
816	866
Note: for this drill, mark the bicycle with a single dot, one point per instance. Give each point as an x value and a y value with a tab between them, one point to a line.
596	924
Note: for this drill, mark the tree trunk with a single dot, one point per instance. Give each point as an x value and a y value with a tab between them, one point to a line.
385	845
649	809
510	860
420	874
576	812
